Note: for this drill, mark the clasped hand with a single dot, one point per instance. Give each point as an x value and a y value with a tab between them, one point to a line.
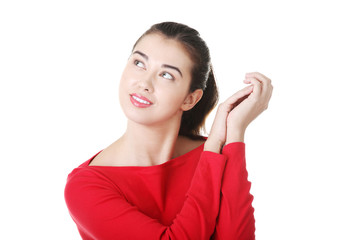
235	114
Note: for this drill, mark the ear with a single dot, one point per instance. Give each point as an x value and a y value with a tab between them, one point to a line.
192	99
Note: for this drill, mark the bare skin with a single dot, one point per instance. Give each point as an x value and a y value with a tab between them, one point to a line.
238	111
151	137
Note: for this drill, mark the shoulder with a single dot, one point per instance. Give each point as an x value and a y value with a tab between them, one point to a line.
86	173
86	180
107	156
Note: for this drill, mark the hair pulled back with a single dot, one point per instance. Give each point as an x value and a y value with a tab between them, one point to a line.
202	75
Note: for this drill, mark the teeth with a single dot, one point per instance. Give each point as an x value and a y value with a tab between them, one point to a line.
140	100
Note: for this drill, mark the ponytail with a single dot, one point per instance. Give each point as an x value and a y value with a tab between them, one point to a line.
193	121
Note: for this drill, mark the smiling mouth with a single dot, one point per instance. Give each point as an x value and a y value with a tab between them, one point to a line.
140	101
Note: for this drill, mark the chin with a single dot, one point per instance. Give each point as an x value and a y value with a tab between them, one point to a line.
137	115
142	119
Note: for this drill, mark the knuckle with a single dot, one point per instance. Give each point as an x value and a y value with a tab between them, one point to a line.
221	106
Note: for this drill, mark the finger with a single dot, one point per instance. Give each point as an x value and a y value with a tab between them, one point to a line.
249	78
240	94
261	77
265	81
257	87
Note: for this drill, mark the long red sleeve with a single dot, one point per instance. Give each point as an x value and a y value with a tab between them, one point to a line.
236	215
148	202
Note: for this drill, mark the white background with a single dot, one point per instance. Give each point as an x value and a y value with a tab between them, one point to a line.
60	64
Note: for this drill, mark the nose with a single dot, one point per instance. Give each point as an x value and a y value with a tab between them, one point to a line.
146	83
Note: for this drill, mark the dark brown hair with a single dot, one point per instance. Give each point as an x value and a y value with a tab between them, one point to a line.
202	75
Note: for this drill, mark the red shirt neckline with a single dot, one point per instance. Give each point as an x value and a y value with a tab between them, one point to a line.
172	162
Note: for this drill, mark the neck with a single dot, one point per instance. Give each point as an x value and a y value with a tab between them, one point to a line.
150	145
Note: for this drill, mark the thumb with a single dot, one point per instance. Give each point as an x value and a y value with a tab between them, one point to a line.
239	96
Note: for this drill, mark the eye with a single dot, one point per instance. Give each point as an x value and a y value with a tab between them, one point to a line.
167	76
139	64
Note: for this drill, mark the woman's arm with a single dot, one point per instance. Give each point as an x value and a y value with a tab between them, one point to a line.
101	212
243	110
236	215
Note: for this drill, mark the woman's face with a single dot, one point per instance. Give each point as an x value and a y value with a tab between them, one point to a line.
154	86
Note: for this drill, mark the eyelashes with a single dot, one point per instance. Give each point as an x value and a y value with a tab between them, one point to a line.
165	74
139	64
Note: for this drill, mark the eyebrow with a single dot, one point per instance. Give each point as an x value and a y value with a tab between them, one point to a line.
164	65
141	54
172	67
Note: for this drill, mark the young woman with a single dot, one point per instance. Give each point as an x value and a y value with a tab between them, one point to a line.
161	179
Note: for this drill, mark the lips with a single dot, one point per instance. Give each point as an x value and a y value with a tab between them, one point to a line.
140	101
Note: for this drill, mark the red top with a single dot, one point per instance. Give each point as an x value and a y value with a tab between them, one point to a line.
199	195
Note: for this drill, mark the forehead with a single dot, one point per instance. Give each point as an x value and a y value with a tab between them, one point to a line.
165	51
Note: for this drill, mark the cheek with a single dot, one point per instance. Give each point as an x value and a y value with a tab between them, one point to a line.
125	80
123	86
128	71
124	76
173	97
